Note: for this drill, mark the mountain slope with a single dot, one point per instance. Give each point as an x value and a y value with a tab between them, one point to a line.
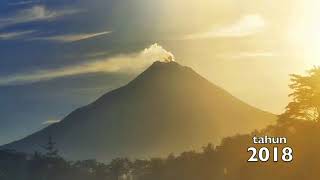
167	108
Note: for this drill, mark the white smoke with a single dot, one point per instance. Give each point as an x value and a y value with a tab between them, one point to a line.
157	52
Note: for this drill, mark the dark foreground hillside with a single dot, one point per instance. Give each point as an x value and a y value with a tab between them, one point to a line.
227	161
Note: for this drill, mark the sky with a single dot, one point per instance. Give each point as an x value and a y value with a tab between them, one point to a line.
58	55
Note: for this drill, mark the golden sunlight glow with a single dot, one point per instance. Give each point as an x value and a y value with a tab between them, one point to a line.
305	34
308	40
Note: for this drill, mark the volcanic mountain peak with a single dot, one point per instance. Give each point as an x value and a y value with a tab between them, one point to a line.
163	68
167	108
161	73
165	64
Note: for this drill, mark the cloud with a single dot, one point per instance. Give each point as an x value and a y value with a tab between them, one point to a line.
246	55
118	64
14	35
245	26
51	121
35	13
72	37
19	3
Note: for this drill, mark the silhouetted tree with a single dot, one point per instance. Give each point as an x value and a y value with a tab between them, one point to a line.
208	149
305	103
119	167
51	150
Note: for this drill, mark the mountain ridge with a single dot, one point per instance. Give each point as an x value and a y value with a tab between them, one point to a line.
167	108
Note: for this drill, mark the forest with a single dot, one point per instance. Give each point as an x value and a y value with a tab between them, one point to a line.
228	160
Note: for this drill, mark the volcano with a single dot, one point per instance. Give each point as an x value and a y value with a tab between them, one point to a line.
168	108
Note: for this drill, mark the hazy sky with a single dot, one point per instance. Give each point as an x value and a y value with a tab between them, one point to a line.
57	55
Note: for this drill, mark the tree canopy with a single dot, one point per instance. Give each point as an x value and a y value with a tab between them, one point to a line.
305	104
